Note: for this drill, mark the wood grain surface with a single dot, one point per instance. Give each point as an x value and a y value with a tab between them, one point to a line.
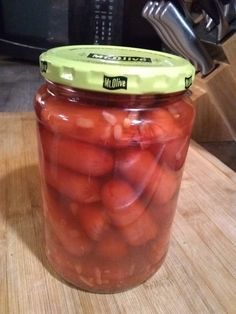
214	98
199	273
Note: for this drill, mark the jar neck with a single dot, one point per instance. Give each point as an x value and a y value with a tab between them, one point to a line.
110	99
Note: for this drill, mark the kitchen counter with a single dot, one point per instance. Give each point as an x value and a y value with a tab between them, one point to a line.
199	273
18	84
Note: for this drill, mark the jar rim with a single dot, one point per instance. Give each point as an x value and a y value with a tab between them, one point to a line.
138	101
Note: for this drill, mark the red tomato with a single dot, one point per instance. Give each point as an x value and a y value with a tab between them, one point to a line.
164	214
183	114
114	270
40	98
69	233
159	126
163	187
157	150
121	202
173	152
75	155
92	219
112	247
110	126
158	248
136	165
62	261
140	231
75	186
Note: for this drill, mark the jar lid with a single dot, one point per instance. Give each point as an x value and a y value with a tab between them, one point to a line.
117	69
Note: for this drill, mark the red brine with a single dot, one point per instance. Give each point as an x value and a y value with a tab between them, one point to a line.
111	175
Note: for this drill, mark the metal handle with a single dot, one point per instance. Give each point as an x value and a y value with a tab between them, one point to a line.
149	11
185	34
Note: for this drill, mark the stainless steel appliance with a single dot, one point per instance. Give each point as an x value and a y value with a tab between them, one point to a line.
28	27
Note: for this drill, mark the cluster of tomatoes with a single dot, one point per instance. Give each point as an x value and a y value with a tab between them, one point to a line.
111	180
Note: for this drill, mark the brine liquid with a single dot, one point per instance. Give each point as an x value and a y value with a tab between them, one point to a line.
111	178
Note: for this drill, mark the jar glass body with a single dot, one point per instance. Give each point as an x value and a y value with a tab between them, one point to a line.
111	168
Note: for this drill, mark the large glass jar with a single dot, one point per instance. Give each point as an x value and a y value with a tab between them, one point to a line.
112	150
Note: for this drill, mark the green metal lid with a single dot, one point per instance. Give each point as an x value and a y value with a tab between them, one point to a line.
116	69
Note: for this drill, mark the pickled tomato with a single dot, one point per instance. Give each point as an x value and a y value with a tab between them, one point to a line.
111	177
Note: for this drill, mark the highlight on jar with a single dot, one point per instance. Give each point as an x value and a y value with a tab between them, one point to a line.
111	161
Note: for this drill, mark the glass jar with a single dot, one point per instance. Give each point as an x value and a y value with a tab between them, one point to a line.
112	150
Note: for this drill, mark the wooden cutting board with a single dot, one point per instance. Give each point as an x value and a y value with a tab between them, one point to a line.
198	276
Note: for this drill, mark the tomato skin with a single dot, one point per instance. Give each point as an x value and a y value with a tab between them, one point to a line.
173	153
75	186
112	247
158	248
163	186
159	126
183	114
108	127
61	259
163	215
79	122
75	155
92	218
68	232
154	182
105	272
136	165
140	231
121	202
